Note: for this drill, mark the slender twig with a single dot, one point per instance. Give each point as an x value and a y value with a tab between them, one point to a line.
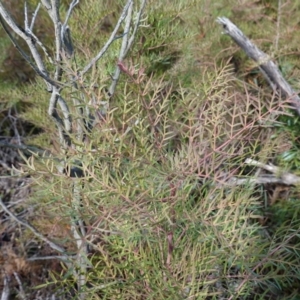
26	57
278	176
71	7
28	30
41	45
126	42
64	125
26	15
136	25
286	177
123	51
6	290
34	16
59	257
21	290
32	229
58	42
40	69
112	38
66	113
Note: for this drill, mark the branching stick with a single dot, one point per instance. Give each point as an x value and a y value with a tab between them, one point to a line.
267	66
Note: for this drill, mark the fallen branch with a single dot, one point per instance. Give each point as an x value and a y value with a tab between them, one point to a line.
264	62
279	176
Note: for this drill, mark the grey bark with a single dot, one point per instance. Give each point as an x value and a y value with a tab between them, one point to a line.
264	62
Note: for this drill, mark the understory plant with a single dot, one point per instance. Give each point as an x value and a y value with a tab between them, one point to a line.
140	186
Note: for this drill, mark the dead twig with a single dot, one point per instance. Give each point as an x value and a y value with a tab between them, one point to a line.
264	62
278	176
6	290
33	230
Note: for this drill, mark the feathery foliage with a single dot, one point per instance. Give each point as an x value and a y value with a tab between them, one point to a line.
189	108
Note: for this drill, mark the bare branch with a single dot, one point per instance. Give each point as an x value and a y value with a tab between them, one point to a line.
64	125
126	43
279	176
54	14
6	290
34	16
26	16
28	30
110	40
123	51
264	62
32	229
59	110
41	45
66	112
59	257
26	57
40	69
21	290
124	46
265	179
285	177
71	7
136	25
79	234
